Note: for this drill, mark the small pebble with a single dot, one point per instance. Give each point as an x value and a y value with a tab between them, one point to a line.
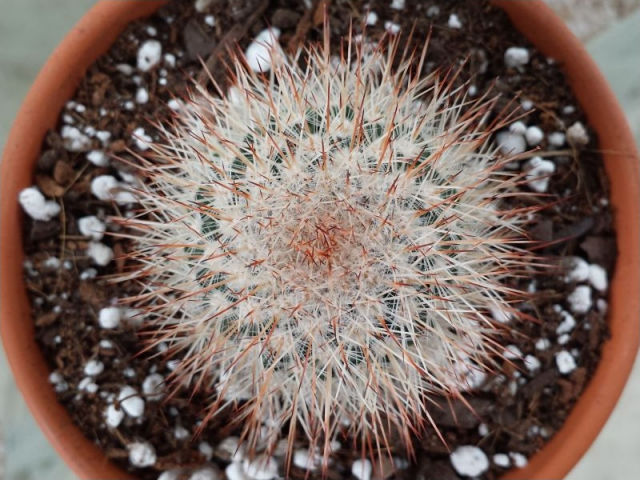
565	362
149	55
36	205
153	387
109	317
577	135
93	368
469	461
141	454
516	57
206	450
502	460
519	460
261	468
580	299
510	143
362	469
259	52
100	253
98	158
131	402
372	18
92	227
454	21
142	95
578	270
141	139
234	472
113	416
534	136
538	172
598	278
392	28
206	473
557	139
74	139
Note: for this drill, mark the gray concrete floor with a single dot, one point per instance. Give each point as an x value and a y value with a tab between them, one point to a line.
29	29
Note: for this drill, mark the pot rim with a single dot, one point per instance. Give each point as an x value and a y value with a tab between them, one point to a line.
95	33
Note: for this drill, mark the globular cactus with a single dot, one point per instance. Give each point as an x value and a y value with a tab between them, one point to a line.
323	247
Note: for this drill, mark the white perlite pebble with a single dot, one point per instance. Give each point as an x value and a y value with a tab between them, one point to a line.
107	187
483	430
398	4
153	386
259	52
557	139
173	104
74	139
526	105
577	135
362	469
141	454
102	187
519	460
113	416
131	402
149	55
206	450
171	474
142	95
511	143
565	362
109	317
52	263
392	28
580	299
469	461
87	385
538	172
532	363
502	460
230	448
92	227
372	18
234	472
519	128
100	253
306	460
578	270
180	433
261	468
454	21
534	136
210	20
206	473
93	368
598	277
202	5
516	57
512	352
141	139
499	315
36	205
98	158
170	60
568	323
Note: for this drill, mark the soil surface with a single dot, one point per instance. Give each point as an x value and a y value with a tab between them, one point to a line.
516	412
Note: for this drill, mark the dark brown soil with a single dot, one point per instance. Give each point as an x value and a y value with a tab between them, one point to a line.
519	410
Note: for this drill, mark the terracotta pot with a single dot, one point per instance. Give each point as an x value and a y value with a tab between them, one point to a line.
93	36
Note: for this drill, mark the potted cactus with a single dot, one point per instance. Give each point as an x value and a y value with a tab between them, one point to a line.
361	249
